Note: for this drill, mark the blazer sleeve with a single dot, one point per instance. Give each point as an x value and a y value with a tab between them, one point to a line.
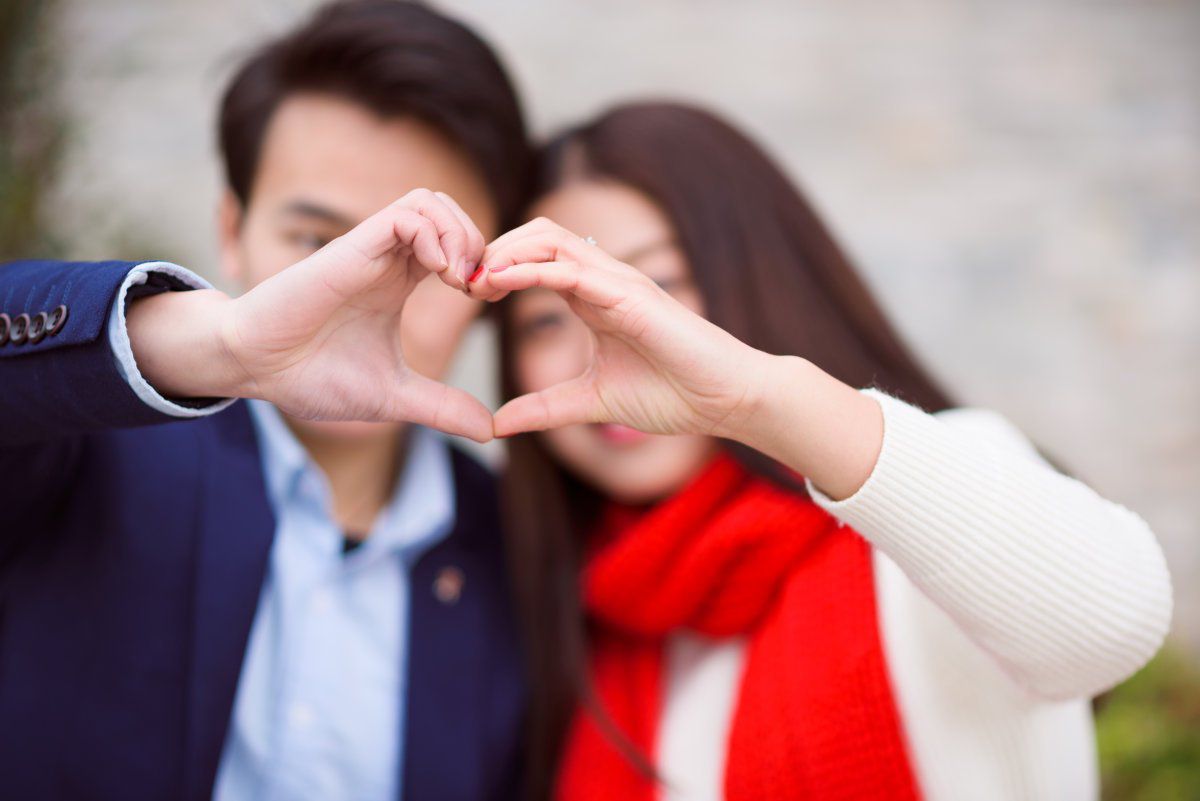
61	333
1067	591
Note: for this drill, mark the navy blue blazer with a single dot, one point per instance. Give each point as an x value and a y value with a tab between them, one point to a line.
131	559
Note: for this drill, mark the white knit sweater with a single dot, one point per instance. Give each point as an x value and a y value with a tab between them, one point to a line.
1009	595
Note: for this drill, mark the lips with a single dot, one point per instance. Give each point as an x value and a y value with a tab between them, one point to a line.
615	434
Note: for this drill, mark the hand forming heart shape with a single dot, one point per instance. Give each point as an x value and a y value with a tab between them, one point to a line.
321	339
656	366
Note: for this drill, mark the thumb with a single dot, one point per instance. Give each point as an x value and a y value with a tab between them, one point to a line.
433	404
570	402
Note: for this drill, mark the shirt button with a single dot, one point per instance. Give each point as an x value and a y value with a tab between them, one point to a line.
301	715
448	585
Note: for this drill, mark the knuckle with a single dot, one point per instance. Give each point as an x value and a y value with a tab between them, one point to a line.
417	199
408	217
563	242
425	226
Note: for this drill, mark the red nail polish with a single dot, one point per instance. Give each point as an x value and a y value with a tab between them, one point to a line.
475	275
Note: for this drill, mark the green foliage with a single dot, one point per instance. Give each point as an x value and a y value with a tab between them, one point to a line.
31	129
1148	732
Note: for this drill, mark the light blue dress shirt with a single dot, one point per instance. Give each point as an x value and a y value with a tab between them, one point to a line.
319	710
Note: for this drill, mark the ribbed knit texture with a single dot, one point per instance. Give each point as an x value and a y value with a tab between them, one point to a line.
1002	585
733	554
1067	591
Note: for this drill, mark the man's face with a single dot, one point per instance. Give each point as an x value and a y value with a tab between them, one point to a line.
326	164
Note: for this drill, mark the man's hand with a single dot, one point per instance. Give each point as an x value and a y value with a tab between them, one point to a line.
321	339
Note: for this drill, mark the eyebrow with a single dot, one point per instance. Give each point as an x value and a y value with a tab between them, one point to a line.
646	250
307	208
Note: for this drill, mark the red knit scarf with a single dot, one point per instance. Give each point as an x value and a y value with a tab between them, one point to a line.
734	554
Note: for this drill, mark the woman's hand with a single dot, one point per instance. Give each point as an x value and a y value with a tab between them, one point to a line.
321	339
660	368
656	366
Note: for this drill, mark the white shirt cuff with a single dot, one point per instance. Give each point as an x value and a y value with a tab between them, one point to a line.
118	336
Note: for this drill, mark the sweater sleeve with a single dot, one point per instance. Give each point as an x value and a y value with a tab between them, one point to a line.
1068	592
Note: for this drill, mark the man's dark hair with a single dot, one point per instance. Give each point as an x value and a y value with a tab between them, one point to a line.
394	58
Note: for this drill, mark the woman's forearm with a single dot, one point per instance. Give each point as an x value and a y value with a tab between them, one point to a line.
1068	591
813	423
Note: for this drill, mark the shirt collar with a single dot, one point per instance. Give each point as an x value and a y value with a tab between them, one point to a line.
420	511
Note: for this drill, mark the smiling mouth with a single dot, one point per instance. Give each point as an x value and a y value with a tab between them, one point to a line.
615	434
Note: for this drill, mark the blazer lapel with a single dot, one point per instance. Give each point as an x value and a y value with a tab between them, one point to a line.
232	550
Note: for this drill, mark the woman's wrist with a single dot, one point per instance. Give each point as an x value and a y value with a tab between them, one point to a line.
179	344
821	427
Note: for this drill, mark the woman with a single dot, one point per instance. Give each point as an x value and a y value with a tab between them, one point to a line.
924	614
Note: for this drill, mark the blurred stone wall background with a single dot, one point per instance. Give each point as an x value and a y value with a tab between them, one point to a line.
1019	180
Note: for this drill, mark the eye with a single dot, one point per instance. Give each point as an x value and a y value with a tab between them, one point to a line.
541	324
675	286
307	240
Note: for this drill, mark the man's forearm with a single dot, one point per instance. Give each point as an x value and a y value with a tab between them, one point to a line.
177	343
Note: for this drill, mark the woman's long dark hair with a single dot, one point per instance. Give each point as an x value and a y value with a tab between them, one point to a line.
769	272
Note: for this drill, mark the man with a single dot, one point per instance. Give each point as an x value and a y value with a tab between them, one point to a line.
246	602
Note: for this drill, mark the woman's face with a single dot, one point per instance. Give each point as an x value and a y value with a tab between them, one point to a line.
552	345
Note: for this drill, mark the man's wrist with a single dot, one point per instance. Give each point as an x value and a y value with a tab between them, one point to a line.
178	344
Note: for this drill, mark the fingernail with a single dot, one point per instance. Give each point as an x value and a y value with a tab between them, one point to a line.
499	268
475	275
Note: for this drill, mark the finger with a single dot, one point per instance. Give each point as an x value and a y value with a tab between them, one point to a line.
430	403
538	225
494	295
452	234
563	404
371	240
554	244
475	240
542	240
480	289
377	234
420	234
598	287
